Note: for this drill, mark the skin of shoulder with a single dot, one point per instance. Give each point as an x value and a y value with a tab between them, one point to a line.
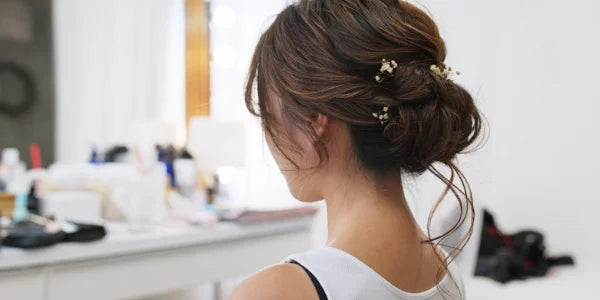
282	281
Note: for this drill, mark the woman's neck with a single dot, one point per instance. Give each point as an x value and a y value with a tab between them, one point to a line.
357	208
374	224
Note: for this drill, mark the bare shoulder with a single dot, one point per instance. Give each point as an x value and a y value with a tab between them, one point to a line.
282	281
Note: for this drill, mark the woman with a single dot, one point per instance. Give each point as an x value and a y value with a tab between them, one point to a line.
353	95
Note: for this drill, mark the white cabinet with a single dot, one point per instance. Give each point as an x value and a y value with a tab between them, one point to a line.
19	285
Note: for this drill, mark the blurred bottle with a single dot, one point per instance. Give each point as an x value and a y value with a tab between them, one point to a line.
185	172
12	171
20	212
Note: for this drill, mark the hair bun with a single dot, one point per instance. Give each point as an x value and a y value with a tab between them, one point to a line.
411	84
432	120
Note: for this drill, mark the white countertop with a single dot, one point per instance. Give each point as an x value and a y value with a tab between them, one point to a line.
124	239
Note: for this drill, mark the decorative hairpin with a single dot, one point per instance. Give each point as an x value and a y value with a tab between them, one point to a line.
447	73
387	69
382	115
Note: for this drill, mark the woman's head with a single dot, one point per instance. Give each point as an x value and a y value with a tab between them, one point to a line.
314	68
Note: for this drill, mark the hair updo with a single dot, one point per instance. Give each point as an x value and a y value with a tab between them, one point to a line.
321	56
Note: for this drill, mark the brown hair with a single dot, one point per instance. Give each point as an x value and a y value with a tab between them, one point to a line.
321	56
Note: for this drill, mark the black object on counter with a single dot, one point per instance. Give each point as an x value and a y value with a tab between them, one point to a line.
115	154
33	202
85	233
29	235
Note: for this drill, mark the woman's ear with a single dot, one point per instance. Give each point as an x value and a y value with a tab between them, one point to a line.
320	124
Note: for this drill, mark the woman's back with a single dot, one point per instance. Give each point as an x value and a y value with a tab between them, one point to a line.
340	275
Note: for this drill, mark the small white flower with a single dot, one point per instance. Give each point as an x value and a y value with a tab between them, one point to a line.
387	68
375	115
386	108
447	73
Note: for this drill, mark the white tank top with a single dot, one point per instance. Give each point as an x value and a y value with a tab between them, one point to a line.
344	277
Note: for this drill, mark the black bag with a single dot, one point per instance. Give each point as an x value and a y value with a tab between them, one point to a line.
517	256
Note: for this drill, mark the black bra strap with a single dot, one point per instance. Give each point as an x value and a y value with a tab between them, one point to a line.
320	291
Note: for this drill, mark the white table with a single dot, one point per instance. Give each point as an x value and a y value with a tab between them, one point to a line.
132	264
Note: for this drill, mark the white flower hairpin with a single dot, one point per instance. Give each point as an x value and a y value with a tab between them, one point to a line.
387	69
382	115
446	73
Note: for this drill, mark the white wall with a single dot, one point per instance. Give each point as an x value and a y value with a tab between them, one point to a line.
235	29
532	66
547	140
120	66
